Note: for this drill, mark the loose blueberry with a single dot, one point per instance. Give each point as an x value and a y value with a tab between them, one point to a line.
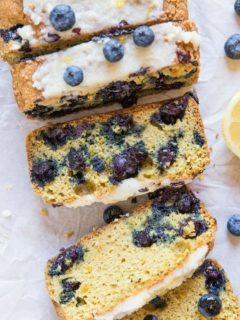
237	7
75	160
143	36
159	302
113	51
128	163
233	225
65	260
98	164
73	76
111	213
62	17
187	203
143	238
150	317
166	156
209	305
44	171
232	47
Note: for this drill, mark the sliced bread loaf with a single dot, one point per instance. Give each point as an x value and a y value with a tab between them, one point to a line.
30	28
108	69
119	268
208	294
114	156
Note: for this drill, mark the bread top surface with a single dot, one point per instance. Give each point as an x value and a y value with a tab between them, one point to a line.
96	154
38	32
182	302
43	77
118	262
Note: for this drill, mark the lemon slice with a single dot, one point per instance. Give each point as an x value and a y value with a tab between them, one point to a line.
231	125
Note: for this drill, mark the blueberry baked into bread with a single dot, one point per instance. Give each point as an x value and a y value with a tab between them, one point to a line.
107	70
208	294
114	156
118	269
31	27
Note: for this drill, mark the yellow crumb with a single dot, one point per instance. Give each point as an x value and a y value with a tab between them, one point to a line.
200	178
121	4
44	213
68	234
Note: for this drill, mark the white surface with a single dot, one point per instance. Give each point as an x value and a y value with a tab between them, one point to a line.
89	57
172	281
28	239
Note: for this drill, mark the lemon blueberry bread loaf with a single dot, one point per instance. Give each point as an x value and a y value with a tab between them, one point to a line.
121	267
107	70
114	156
32	27
208	294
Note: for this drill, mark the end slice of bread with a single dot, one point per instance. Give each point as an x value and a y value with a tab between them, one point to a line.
114	156
119	268
182	302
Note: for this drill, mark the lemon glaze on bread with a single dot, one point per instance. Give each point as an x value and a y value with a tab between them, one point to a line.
26	31
120	267
182	302
170	62
114	156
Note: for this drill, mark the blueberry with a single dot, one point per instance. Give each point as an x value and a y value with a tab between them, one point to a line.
150	317
159	302
237	7
215	279
232	47
128	163
111	213
198	139
143	238
98	164
77	178
62	17
113	51
166	155
65	260
44	171
170	112
209	305
70	285
58	137
143	36
187	203
75	160
66	296
200	227
233	225
73	76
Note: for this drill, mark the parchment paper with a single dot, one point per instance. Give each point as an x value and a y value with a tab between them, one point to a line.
27	239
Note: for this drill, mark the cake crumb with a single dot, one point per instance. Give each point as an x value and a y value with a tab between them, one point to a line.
44	213
68	235
200	178
6	213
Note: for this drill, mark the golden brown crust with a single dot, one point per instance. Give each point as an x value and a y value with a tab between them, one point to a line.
174	10
27	96
84	240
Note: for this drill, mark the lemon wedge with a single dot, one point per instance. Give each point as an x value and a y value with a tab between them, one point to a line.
231	125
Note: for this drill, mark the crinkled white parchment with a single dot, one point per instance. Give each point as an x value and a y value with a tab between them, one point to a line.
28	239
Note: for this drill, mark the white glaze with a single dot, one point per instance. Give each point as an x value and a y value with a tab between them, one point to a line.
98	72
128	188
92	15
172	281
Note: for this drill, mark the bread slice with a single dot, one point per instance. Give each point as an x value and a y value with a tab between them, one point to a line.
172	61
26	30
182	302
114	156
119	268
